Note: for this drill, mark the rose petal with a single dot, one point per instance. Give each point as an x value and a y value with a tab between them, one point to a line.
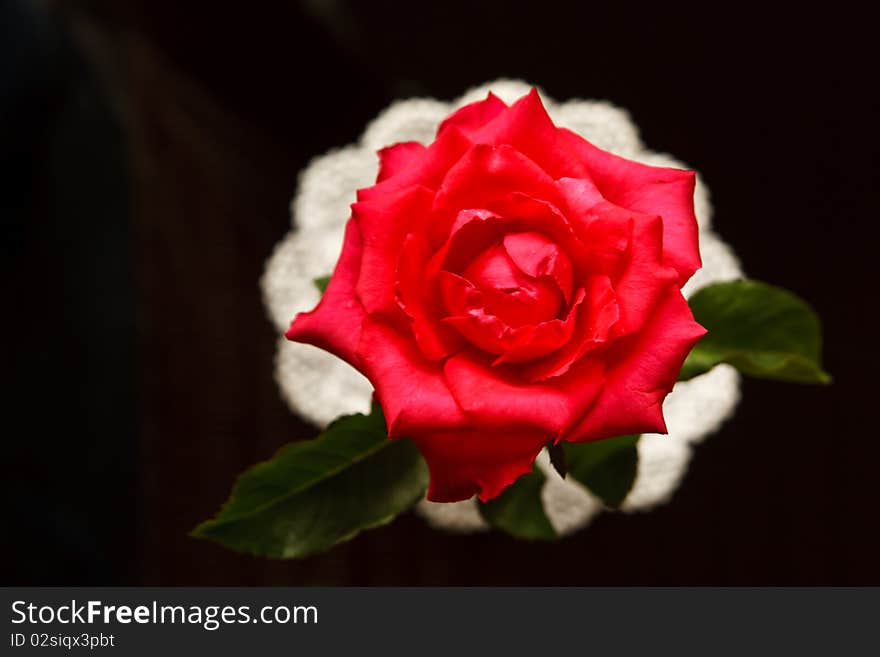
384	226
644	279
475	461
417	293
470	118
335	323
459	295
509	293
528	128
411	389
541	339
524	213
475	230
652	190
427	168
491	333
640	373
496	397
539	257
592	328
604	231
397	157
627	245
483	176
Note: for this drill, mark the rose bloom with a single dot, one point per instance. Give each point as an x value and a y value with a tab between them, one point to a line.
508	286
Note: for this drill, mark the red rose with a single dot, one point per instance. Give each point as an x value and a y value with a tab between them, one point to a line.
510	285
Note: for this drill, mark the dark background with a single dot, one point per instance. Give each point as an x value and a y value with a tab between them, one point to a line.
148	152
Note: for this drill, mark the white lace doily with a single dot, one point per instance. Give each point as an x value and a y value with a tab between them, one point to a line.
319	387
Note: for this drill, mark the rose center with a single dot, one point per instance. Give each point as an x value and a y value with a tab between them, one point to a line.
509	293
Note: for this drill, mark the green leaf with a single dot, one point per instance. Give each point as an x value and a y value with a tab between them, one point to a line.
321	283
314	494
518	510
606	467
763	331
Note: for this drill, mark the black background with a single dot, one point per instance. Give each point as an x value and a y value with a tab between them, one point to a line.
149	151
